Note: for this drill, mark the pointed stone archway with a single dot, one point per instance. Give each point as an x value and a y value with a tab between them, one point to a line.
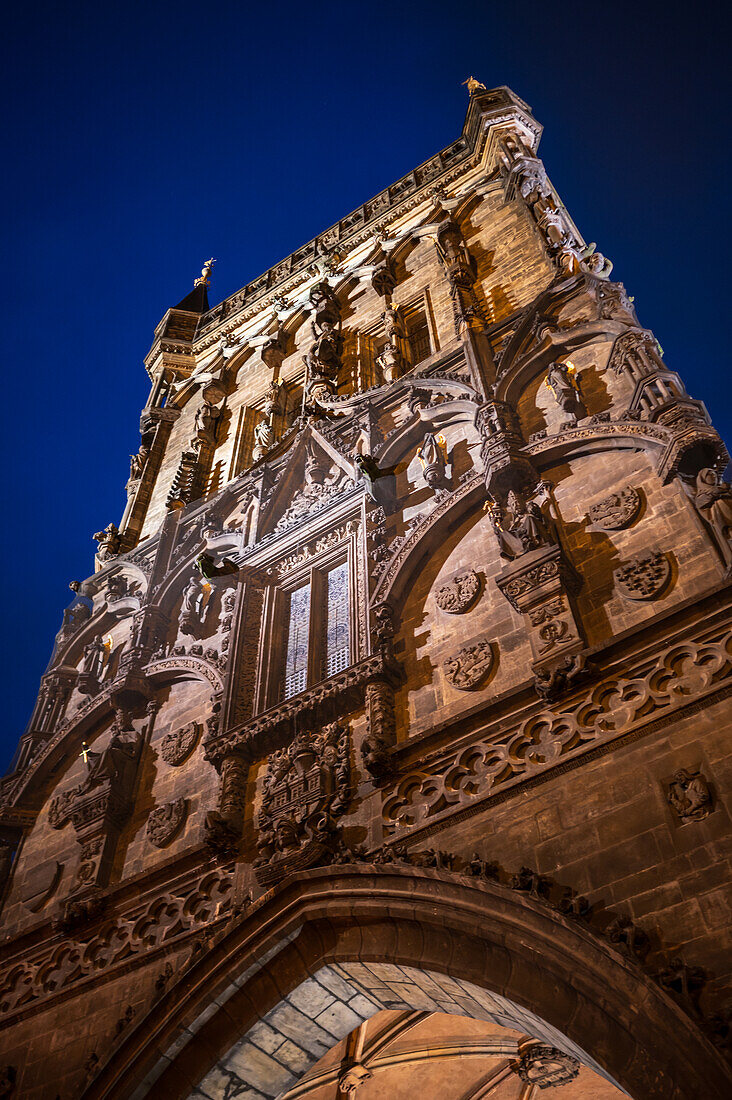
470	947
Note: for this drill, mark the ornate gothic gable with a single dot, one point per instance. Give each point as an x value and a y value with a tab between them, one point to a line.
314	475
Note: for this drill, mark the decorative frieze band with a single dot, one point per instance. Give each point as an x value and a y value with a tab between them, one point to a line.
684	672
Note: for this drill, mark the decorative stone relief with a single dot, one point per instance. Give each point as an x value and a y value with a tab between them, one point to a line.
164	822
99	806
546	1066
459	594
689	796
380	729
178	745
643	576
306	786
507	754
470	666
615	511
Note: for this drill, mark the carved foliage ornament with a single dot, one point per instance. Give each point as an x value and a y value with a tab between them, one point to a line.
470	666
165	822
459	594
178	745
643	576
615	511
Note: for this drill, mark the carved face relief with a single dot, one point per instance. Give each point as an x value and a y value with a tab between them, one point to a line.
470	666
178	745
644	576
459	594
165	822
615	511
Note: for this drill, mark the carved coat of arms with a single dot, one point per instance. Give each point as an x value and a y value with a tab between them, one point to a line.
643	576
459	594
165	822
306	787
546	1066
178	745
615	511
470	666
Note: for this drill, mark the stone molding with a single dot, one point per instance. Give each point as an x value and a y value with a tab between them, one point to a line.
332	698
504	940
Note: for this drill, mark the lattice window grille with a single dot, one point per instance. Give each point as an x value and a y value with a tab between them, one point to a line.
338	636
296	663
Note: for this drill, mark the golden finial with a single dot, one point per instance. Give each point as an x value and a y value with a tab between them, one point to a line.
474	85
205	278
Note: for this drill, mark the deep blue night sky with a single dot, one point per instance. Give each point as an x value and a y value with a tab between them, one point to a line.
140	139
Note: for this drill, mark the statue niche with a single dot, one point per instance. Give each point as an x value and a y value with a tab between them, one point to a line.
713	500
196	603
433	459
306	787
323	361
94	665
562	380
99	806
520	527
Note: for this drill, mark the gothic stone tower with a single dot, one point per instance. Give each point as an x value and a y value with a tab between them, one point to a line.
386	750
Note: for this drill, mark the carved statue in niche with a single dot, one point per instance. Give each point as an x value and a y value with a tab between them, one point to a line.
263	439
271	403
562	380
689	796
713	499
324	357
196	597
324	304
432	456
532	182
93	665
137	462
323	361
205	421
306	787
554	226
390	359
99	805
109	543
113	763
520	527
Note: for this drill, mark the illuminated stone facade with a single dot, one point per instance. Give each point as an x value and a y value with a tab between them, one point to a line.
386	750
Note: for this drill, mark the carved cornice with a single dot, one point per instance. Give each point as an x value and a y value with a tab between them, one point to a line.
333	698
496	107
